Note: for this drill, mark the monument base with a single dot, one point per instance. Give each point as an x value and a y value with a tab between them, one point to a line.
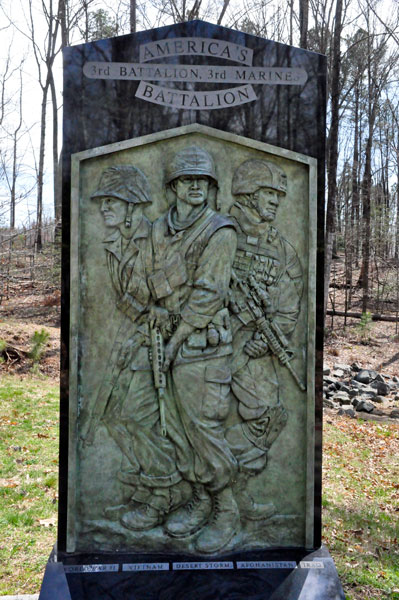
257	575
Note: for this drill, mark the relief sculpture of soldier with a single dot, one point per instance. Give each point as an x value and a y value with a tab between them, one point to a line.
194	249
211	301
127	402
266	291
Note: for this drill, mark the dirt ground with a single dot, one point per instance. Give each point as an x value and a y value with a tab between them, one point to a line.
22	315
374	344
377	348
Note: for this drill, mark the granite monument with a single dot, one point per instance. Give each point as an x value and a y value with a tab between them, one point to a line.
190	420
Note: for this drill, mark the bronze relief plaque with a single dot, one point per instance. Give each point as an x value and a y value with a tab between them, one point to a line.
192	345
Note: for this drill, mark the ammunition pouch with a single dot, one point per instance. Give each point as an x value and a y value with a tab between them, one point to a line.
211	339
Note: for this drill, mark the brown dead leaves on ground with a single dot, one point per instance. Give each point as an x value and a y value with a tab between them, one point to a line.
361	504
370	459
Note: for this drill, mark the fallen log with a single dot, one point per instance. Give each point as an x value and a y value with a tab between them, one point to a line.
11	353
356	315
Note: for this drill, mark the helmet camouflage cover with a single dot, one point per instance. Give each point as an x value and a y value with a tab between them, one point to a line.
254	174
124	182
191	161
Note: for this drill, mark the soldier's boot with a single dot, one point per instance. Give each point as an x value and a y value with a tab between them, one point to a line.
114	513
222	526
142	518
249	509
192	516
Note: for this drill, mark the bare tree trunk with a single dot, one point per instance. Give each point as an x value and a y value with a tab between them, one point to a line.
14	157
39	203
304	22
347	243
54	19
355	199
222	13
291	35
366	191
358	240
85	4
57	197
373	96
133	18
62	15
13	183
397	202
333	150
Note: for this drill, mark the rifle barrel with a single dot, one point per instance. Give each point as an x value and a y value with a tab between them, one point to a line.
265	328
158	357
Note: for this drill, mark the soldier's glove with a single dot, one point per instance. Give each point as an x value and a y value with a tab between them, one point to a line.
267	301
171	350
256	347
172	347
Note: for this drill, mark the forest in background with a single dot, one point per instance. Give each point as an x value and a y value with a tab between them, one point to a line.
361	41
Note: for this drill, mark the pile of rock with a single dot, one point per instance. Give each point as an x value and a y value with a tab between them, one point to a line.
351	390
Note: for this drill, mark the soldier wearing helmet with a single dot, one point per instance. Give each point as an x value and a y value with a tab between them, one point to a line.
268	266
123	192
258	185
127	402
193	249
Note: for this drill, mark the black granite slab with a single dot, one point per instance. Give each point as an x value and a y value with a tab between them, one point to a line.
99	112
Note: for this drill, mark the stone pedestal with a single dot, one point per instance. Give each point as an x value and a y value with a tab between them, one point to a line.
289	575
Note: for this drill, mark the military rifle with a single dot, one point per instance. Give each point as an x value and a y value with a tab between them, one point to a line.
267	329
157	360
122	351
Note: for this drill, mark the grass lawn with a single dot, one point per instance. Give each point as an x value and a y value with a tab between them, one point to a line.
361	493
28	480
361	505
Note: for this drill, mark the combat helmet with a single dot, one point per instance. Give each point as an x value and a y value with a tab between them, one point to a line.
254	174
191	161
124	182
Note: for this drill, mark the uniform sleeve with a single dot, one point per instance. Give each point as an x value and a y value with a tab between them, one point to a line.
135	297
289	291
211	279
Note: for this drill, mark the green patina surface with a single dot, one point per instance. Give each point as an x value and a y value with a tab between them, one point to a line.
287	480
